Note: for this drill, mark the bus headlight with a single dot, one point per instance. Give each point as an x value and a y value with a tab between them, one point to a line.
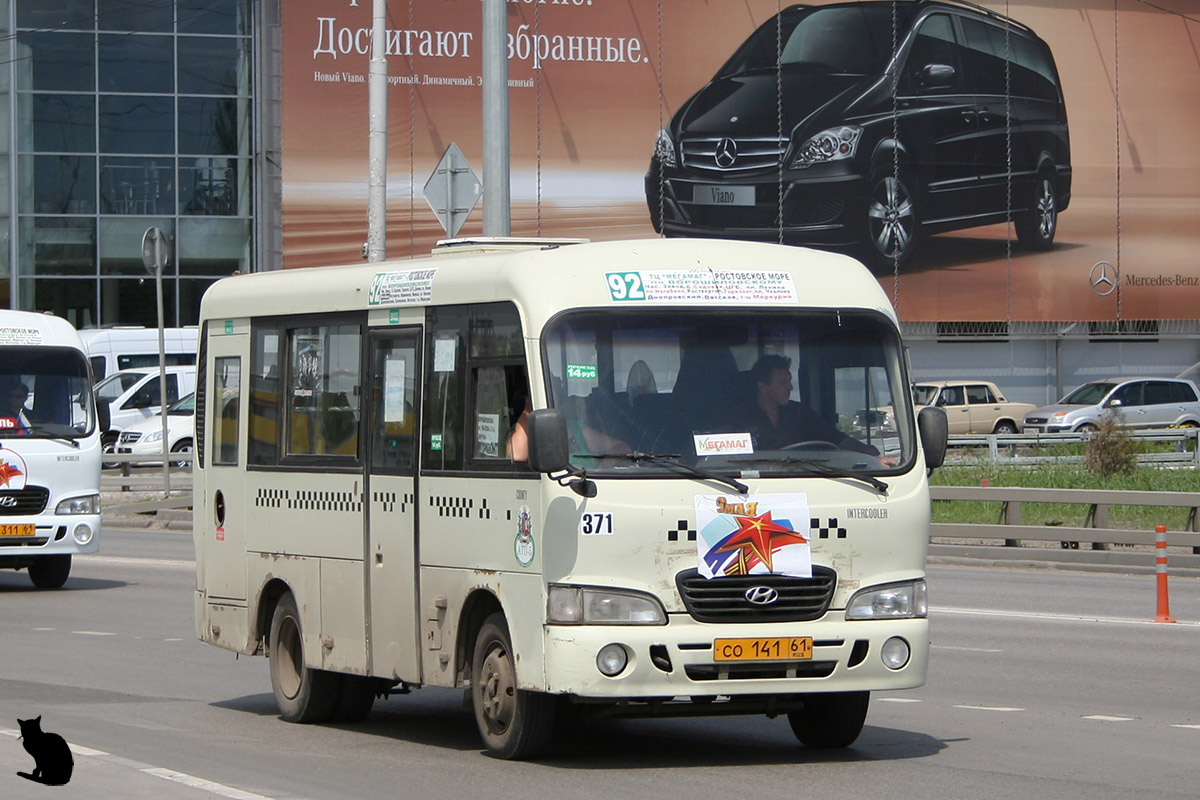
894	601
585	605
88	504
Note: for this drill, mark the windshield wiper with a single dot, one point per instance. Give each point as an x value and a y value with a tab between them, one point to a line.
822	468
672	459
54	436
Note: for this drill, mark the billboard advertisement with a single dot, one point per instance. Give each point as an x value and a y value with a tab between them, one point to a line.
1009	161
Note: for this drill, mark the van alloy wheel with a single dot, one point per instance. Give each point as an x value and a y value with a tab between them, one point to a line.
1036	228
891	221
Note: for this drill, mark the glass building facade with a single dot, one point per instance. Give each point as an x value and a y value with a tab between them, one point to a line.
121	115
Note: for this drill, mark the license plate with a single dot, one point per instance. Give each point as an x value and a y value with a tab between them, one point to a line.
709	195
18	530
779	648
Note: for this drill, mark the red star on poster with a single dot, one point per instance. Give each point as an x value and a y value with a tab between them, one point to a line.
7	473
755	540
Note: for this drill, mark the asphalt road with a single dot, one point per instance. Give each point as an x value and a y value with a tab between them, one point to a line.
1042	684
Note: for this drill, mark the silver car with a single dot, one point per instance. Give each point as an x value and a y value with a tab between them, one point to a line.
1138	402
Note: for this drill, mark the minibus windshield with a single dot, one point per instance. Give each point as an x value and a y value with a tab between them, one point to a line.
742	394
45	392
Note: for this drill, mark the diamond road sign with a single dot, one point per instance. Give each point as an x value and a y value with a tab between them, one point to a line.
453	190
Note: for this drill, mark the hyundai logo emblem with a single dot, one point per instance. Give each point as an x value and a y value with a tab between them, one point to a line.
726	153
761	595
8	501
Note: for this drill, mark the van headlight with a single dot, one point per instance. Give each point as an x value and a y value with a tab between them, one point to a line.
587	605
894	601
88	504
153	436
834	144
664	149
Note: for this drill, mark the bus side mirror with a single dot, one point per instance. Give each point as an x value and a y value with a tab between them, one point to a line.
103	415
548	448
935	432
550	451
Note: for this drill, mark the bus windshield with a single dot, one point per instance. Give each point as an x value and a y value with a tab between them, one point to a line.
762	393
45	392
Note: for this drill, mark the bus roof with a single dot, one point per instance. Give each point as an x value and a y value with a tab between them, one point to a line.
23	328
544	280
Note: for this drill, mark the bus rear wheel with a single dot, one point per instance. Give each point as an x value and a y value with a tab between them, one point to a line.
50	572
830	720
302	693
513	723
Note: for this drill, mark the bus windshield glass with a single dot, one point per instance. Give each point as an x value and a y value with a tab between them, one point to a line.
45	392
793	393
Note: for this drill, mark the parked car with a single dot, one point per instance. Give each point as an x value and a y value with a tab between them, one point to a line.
800	137
972	406
1138	403
132	396
146	438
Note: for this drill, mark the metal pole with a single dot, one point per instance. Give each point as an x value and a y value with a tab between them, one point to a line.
496	194
377	146
162	369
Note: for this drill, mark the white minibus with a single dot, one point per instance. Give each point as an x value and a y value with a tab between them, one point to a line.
49	448
576	479
129	346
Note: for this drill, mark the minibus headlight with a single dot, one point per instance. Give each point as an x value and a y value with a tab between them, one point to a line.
894	601
584	605
834	144
88	504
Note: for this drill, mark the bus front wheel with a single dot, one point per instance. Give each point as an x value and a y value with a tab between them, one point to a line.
513	723
830	720
302	693
50	572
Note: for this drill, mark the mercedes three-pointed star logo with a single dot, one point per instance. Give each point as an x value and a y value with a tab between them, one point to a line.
1104	278
726	153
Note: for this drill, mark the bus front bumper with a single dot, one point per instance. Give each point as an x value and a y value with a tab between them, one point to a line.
678	660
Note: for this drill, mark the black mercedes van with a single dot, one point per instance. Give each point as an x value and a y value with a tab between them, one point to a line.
812	134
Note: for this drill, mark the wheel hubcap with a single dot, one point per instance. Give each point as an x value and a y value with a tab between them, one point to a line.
891	218
497	691
290	657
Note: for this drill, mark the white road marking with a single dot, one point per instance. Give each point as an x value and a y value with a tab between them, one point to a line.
1106	718
139	562
983	612
43	629
1193	727
990	708
211	787
95	633
898	700
968	649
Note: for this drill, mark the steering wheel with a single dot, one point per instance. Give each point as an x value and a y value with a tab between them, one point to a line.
812	444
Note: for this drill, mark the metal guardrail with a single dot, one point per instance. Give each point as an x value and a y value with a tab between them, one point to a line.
127	480
1006	447
1008	534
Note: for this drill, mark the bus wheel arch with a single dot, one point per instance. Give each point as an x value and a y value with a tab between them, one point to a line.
477	608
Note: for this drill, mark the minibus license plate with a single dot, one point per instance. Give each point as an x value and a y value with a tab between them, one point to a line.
17	530
705	194
779	648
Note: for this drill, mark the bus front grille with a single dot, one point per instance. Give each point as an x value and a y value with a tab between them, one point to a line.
727	599
30	500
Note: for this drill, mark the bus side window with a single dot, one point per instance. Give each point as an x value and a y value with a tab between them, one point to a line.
226	397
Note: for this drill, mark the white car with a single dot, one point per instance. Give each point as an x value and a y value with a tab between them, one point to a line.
145	438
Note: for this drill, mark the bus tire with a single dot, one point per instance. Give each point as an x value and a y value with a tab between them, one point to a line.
356	695
50	572
830	720
303	694
513	723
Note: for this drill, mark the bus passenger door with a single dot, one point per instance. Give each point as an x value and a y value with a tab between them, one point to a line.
390	561
223	487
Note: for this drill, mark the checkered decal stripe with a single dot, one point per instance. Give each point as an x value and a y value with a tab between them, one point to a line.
825	531
388	501
309	500
460	507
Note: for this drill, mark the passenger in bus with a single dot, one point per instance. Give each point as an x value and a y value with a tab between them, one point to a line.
13	395
775	421
517	447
